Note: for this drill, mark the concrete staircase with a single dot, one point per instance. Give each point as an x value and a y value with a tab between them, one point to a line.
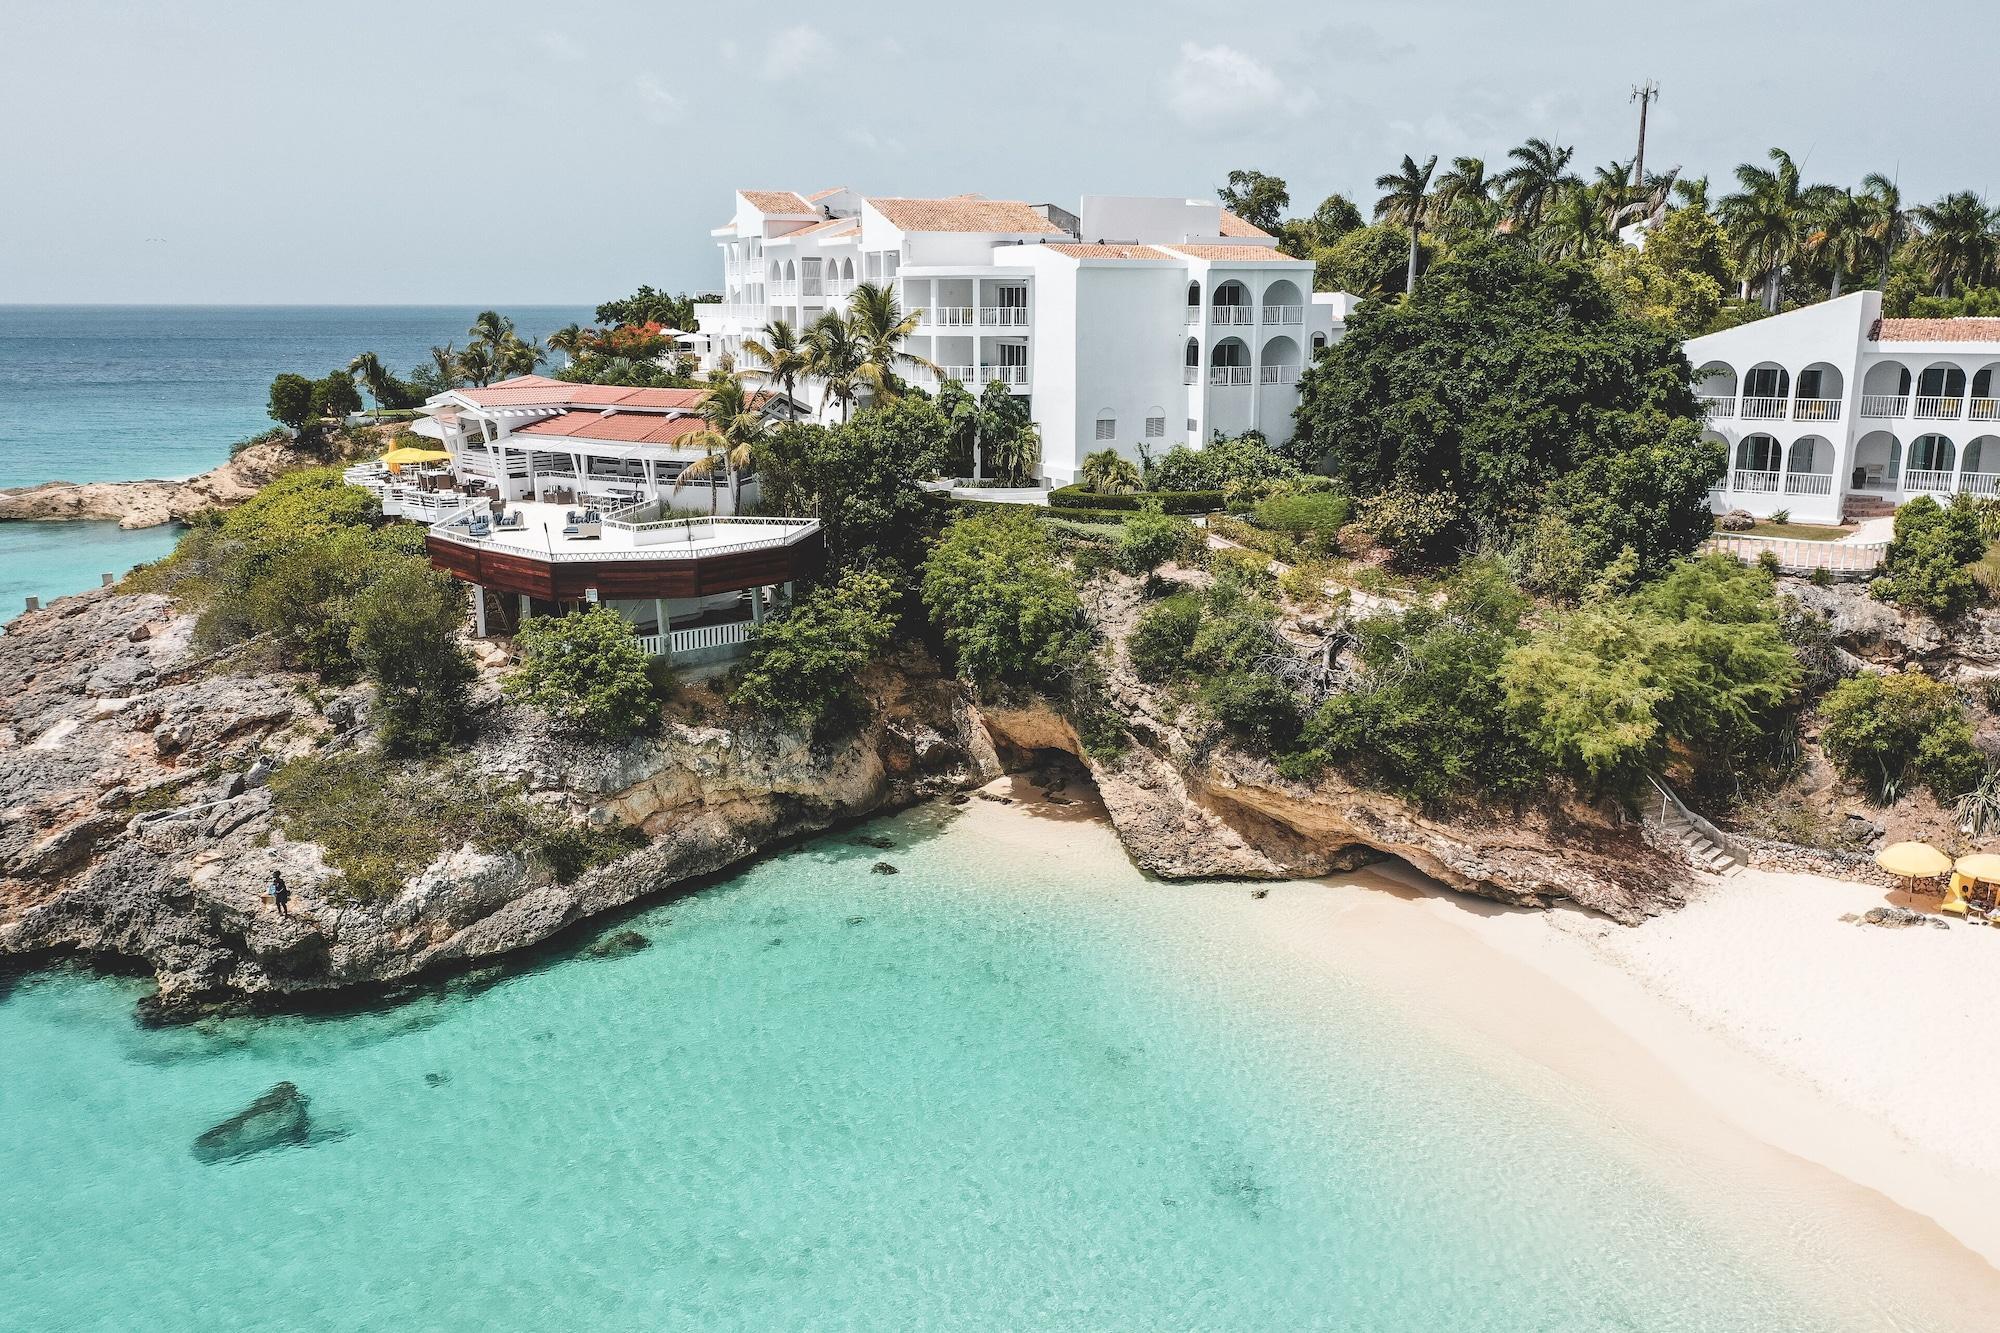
1856	507
1703	852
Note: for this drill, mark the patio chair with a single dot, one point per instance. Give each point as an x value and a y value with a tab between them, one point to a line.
480	525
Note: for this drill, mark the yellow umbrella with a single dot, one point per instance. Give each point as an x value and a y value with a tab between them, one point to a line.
395	458
1913	860
1980	865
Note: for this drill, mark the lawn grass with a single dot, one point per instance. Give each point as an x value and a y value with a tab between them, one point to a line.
1802	532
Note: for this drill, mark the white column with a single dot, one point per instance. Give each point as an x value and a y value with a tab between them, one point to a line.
660	616
478	611
757	605
524	607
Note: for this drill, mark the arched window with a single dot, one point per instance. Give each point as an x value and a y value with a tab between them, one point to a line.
1194	294
1757	453
1107	425
1156	422
1932	453
1193	357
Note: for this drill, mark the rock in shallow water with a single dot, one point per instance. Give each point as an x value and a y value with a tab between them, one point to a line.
278	1119
884	868
619	944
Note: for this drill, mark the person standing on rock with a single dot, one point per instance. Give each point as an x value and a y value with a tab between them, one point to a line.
281	896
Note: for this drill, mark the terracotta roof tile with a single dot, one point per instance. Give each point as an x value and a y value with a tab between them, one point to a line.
616	427
1232	254
965	213
828	227
1101	251
828	193
1235	226
1976	329
776	201
540	391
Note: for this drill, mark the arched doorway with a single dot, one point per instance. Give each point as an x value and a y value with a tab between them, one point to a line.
1279	363
1715	385
1759	462
1819	392
1940	393
1809	466
1283	304
1878	463
1231	304
1932	461
1767	391
1979	470
1230	362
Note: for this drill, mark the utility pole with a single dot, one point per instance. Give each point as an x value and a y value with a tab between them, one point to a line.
1645	95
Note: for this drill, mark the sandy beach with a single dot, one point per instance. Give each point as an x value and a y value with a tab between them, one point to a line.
1775	1061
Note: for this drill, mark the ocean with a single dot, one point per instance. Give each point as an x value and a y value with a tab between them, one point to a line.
1013	1086
116	393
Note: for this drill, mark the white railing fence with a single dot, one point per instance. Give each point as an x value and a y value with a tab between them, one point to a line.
1933	480
1801	556
1231	314
1763	408
1816	409
1717	406
676	642
1809	483
1747	482
1939	409
1284	314
1004	316
1219	375
1884	404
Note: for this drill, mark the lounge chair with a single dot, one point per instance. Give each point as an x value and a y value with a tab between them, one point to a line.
480	525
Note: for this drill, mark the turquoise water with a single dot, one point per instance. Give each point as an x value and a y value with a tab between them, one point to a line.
964	1096
50	560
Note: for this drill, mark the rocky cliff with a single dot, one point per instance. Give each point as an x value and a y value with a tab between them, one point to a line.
146	504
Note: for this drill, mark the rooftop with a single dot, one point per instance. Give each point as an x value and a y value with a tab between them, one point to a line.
541	534
540	390
1968	330
777	201
615	426
1103	251
1235	226
1234	254
828	227
965	213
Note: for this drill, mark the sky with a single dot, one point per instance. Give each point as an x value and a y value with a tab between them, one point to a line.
197	151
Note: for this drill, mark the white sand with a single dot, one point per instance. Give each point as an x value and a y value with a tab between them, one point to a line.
1791	1069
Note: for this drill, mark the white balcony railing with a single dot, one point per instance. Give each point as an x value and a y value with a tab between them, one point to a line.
1284	314
1756	483
1933	480
1220	375
1004	316
1277	374
701	636
1194	314
1004	374
1884	404
1816	409
1190	374
812	287
1717	405
1763	408
1940	409
949	316
1984	409
963	374
1979	483
785	289
1809	483
1231	314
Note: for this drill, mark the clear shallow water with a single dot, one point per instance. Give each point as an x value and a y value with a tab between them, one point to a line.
965	1096
50	560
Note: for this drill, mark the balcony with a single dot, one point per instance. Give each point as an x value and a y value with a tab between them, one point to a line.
1190	374
782	289
1756	483
1277	374
1928	480
1809	483
1940	409
949	317
812	287
1884	404
1220	376
1816	409
1004	316
1194	314
1232	314
1016	376
1767	409
1716	405
963	374
1284	314
1985	409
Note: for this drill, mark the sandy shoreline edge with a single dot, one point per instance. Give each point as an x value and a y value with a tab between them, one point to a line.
1758	1118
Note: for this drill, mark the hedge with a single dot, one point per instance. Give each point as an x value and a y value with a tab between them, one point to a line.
1174	502
1075	515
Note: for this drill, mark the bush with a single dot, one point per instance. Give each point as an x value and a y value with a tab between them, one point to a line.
805	662
1417	525
1884	730
1314	519
1163	637
1924	568
1220	465
1172	502
1255	706
1151	538
587	672
405	636
1006	605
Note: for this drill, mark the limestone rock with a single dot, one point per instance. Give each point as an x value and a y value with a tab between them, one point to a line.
278	1119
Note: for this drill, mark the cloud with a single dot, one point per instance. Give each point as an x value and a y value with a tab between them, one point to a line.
659	103
795	50
560	46
1218	86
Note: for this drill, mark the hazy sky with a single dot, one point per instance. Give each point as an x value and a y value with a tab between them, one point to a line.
280	151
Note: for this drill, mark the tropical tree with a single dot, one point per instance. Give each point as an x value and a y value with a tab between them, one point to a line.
1692	192
1843	235
1540	172
1769	218
1464	195
1406	199
778	357
572	340
733	428
479	363
1891	221
1578	226
834	357
517	356
880	328
1957	245
368	368
1108	472
1256	198
491	327
450	370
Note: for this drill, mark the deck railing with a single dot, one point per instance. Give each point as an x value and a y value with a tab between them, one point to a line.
1277	374
1232	314
1801	556
1718	405
1284	314
1816	409
1933	408
671	539
675	642
1221	375
1764	408
1984	409
1809	483
1934	480
1004	316
949	316
1747	482
1884	404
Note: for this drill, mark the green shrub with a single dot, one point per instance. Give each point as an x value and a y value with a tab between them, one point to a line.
1164	636
1314	519
1884	730
1173	502
805	662
1007	607
1151	538
1220	465
405	636
586	671
1419	526
1254	705
1924	568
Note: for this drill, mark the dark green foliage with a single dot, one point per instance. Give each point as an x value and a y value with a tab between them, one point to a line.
1008	608
1255	706
1430	718
1313	519
291	400
1372	260
805	661
1173	502
1925	566
1257	198
405	636
586	671
1152	537
864	482
1884	730
1501	378
1221	464
647	306
379	824
335	395
1164	636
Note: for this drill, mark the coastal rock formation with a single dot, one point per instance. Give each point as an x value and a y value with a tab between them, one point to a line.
278	1119
147	504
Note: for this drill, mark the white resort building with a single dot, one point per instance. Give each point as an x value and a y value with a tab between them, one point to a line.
1133	322
1832	410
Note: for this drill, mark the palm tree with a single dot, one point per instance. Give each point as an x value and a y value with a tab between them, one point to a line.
1692	192
1958	241
450	369
879	326
1107	472
733	428
1843	236
480	364
1539	173
1464	195
1769	218
834	357
1016	454
1577	226
1891	220
368	368
779	356
572	340
491	327
1407	198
